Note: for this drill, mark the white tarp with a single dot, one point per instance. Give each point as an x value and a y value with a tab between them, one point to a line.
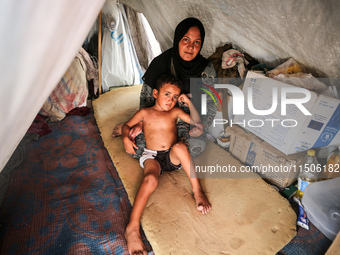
39	40
120	65
269	30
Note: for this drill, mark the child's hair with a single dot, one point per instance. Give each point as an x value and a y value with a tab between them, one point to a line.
167	78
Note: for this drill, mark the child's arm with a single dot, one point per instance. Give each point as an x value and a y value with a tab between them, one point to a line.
193	112
193	118
128	141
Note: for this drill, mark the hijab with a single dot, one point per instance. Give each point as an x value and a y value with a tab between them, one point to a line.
184	70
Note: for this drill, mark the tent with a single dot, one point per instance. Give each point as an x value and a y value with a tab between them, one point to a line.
40	39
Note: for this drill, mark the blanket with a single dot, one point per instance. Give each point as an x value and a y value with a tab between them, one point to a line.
65	197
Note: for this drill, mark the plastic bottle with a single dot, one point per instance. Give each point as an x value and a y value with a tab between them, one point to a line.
309	172
332	169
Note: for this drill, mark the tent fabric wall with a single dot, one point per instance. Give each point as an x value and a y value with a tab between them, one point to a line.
269	30
146	45
39	40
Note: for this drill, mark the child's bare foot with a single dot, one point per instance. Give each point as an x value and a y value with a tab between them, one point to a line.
202	202
134	241
117	131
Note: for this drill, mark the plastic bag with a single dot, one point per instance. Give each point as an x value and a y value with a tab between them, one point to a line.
293	73
120	65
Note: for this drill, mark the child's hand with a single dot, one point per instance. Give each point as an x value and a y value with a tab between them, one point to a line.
129	145
196	131
184	99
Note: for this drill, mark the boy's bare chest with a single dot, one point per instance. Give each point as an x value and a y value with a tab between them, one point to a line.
160	120
160	130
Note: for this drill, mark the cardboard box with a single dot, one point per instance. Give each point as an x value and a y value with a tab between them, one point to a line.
310	131
272	165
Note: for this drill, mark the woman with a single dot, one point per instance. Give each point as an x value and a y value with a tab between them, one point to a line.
183	61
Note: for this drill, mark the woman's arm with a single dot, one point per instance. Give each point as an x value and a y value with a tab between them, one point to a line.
146	99
208	77
128	140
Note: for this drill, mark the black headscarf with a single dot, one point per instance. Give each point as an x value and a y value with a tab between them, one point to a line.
184	70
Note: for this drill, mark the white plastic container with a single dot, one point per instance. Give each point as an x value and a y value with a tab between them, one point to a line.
321	201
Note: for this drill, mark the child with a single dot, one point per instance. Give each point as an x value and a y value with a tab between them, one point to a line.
163	152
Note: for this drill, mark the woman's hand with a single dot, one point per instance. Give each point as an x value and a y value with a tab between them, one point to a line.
197	131
129	145
135	130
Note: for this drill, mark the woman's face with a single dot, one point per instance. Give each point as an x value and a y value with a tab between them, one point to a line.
190	44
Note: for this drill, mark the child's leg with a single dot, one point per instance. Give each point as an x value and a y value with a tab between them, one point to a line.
150	181
179	154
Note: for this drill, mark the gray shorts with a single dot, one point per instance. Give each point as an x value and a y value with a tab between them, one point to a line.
162	157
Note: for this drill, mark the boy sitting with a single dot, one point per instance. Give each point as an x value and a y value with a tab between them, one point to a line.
163	152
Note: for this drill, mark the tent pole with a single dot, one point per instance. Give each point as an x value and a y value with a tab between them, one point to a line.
100	51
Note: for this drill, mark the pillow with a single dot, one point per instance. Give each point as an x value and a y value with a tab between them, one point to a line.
70	92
